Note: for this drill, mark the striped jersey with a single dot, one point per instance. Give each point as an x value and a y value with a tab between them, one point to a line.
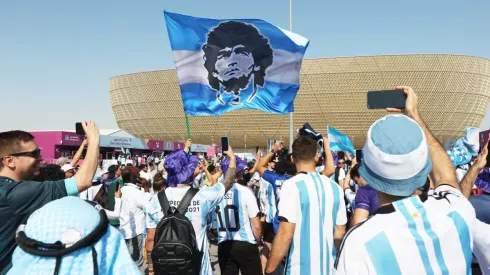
428	234
267	197
315	204
203	203
234	213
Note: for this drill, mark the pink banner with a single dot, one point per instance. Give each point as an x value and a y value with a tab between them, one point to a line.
211	152
178	145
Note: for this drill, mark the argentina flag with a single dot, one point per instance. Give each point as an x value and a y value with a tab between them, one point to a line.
340	141
232	64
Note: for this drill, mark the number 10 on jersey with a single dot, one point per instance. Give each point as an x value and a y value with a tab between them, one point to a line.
226	226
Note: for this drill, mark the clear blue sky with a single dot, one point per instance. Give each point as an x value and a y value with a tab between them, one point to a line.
56	56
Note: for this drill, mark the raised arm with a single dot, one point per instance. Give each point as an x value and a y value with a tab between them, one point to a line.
231	172
329	164
210	178
87	170
262	167
470	177
256	164
78	154
442	168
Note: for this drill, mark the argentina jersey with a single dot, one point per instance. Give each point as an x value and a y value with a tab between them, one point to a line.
234	213
198	212
267	200
417	235
316	206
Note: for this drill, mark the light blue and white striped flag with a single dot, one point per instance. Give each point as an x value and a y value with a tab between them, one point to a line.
231	64
340	141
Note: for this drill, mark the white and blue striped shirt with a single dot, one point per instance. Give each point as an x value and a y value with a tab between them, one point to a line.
234	213
315	204
203	203
416	235
267	200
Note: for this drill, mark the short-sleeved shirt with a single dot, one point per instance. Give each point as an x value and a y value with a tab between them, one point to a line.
315	204
234	212
20	199
417	235
273	184
367	199
203	203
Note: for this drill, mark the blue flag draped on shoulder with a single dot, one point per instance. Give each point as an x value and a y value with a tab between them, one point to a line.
232	64
340	141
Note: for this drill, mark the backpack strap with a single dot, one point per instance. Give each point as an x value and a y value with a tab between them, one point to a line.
164	204
337	172
186	200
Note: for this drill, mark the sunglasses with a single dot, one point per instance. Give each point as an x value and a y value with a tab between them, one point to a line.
36	154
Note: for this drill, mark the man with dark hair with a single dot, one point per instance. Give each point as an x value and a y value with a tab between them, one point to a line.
50	172
312	216
426	234
135	197
20	159
233	53
239	226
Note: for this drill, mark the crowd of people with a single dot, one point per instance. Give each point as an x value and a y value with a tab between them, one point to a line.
400	209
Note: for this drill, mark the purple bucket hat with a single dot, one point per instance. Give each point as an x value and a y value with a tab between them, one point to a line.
240	164
180	167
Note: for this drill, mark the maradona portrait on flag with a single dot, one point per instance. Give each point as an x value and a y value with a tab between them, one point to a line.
226	65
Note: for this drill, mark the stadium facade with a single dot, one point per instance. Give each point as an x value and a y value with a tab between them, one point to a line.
454	92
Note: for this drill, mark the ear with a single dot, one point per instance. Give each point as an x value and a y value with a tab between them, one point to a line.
256	68
9	161
292	159
317	158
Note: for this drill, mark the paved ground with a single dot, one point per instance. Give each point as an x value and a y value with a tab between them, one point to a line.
213	250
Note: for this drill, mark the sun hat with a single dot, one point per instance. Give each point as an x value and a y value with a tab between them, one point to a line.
180	167
395	156
78	234
240	164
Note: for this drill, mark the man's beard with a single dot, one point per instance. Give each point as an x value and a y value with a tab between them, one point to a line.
234	85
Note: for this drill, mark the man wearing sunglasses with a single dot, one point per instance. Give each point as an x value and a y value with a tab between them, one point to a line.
20	159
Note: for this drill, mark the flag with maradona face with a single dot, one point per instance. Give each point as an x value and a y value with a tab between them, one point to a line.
231	64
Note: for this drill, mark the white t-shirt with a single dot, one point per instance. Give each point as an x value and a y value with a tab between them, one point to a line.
132	217
203	203
413	236
315	204
234	212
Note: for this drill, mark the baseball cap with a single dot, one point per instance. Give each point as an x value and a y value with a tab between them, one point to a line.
62	161
67	167
396	156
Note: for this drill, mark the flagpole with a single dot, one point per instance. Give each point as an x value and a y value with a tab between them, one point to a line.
291	131
188	128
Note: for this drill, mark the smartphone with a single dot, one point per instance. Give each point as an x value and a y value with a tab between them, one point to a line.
79	129
386	99
488	157
225	143
359	156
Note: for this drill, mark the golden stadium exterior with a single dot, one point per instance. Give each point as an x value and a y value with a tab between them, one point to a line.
454	92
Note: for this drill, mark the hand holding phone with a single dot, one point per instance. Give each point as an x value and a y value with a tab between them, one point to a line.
79	129
386	99
225	143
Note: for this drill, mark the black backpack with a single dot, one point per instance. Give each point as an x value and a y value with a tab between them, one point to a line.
176	251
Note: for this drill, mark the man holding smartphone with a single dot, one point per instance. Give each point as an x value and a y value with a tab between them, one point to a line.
20	159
